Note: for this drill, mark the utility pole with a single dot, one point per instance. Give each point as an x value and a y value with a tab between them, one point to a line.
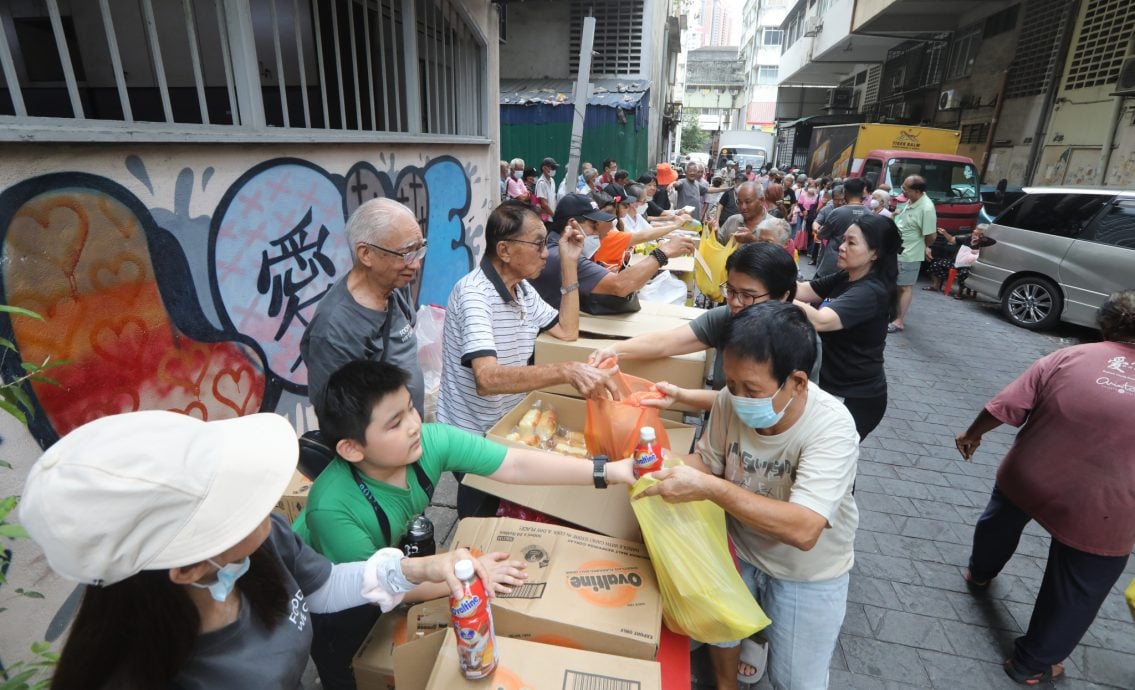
579	100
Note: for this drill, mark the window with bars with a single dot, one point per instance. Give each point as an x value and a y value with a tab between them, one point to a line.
975	133
767	75
1101	44
772	37
963	52
1034	67
618	36
334	65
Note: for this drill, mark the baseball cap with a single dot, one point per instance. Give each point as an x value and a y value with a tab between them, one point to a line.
550	162
154	490
578	206
665	174
617	192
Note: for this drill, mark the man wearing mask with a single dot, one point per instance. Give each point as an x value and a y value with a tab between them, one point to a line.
839	220
600	290
610	167
369	314
546	189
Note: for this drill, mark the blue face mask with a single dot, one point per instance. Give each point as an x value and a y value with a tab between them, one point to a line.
227	575
758	413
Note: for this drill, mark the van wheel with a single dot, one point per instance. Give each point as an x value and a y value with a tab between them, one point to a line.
1032	302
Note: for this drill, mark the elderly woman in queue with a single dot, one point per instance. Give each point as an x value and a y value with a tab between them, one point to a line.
757	273
1070	469
851	309
491	323
191	582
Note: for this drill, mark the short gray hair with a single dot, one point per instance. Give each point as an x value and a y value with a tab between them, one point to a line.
372	221
516	163
779	228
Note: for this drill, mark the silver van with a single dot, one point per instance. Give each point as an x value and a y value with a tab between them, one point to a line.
1060	252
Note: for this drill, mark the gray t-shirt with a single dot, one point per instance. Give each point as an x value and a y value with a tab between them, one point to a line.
245	653
692	194
730	227
343	331
835	226
709	328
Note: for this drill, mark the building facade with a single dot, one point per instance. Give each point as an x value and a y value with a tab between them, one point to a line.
761	40
715	88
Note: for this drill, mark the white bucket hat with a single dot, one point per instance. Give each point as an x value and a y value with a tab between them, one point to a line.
154	490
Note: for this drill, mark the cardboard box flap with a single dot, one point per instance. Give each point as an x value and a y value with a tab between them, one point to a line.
536	666
415	660
594	591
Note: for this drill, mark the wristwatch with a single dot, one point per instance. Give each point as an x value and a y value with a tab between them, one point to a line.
660	257
599	471
569	288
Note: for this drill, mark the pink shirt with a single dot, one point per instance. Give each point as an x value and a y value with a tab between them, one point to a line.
1072	467
516	188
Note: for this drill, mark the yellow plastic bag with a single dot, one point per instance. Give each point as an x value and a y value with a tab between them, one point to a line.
703	595
1130	594
709	263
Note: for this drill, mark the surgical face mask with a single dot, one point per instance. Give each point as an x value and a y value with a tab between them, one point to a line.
875	203
758	413
590	246
518	174
227	575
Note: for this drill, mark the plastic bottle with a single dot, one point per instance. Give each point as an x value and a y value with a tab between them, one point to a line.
473	624
648	453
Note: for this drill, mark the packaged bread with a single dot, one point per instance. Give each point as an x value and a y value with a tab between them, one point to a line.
528	422
575	438
548	425
568	449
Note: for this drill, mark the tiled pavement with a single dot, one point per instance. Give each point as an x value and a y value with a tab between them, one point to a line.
910	621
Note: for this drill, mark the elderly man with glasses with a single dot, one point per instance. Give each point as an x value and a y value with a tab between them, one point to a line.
369	314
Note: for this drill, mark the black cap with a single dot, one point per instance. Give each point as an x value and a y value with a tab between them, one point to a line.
578	206
550	162
531	172
616	192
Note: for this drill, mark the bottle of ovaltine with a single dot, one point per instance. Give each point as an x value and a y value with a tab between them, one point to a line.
473	624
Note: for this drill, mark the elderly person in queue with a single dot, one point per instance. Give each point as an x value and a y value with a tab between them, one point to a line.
1070	469
491	323
601	290
516	189
756	273
370	314
191	580
918	223
742	226
776	231
779	455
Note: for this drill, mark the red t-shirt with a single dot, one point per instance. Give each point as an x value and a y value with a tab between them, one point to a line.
1072	465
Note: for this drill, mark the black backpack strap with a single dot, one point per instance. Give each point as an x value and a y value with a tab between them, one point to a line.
379	513
423	480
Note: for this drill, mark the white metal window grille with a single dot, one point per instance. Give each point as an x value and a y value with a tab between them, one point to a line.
767	75
1101	44
287	65
772	37
618	36
871	93
1034	67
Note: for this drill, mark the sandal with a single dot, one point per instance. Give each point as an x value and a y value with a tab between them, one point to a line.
930	288
1023	678
973	582
891	328
754	654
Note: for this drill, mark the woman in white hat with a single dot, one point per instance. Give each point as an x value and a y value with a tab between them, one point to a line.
191	582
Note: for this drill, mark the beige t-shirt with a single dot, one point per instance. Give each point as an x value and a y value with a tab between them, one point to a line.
812	464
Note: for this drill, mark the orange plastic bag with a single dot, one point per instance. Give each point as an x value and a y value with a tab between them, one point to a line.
613	425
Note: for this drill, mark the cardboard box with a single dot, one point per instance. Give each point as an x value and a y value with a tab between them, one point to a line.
374	662
607	511
295	497
679	264
584	591
653	316
534	666
686	371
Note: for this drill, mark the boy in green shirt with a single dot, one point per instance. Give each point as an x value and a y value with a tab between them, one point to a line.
371	422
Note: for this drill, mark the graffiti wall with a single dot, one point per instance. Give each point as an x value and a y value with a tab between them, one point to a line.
182	277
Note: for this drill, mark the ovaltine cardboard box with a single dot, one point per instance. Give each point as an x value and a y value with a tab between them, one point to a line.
374	662
607	511
583	591
686	371
533	666
295	497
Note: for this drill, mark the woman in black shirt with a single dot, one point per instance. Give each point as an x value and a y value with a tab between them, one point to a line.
855	304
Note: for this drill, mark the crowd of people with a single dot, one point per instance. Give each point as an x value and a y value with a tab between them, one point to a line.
190	580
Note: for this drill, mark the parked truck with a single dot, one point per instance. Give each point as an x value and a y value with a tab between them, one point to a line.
888	154
743	148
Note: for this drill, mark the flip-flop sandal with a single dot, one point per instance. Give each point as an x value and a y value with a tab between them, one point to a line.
1023	678
754	654
930	288
891	328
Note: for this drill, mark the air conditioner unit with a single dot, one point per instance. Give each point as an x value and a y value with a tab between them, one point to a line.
812	25
840	99
950	99
1126	84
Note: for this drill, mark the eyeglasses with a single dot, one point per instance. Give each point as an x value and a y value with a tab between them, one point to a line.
409	256
745	299
539	244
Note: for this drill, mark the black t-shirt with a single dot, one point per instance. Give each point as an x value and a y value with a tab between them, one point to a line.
653	210
789	196
853	356
661	200
728	204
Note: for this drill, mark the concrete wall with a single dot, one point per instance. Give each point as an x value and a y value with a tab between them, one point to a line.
537	45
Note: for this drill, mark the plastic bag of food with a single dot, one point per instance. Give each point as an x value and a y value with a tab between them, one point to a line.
613	425
703	595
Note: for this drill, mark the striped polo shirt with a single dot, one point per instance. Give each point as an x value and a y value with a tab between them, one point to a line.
484	320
